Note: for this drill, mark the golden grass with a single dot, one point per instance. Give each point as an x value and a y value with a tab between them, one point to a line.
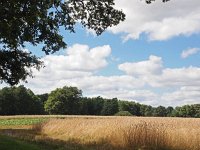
127	132
134	133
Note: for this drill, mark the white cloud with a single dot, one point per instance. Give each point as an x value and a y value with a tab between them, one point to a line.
154	74
185	81
146	81
80	57
160	21
151	66
80	61
188	52
183	96
142	96
176	77
103	83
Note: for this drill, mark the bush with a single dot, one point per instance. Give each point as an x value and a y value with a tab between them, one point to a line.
123	113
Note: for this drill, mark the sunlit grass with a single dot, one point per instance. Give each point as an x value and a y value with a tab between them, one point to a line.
112	133
128	132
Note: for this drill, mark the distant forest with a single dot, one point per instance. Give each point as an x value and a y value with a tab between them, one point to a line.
69	101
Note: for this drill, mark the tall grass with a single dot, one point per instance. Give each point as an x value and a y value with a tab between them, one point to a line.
132	133
109	133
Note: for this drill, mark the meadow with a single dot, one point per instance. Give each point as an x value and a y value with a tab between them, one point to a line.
106	133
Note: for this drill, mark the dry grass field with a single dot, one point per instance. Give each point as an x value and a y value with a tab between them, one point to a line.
107	133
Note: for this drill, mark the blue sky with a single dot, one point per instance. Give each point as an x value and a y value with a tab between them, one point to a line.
152	57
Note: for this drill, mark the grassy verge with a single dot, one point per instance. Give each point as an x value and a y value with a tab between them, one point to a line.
8	143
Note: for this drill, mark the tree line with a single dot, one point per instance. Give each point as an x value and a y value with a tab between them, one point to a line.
69	101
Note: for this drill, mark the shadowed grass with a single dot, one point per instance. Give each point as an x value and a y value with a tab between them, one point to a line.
8	143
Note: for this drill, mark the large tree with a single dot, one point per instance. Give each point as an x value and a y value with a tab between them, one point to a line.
19	101
39	22
63	101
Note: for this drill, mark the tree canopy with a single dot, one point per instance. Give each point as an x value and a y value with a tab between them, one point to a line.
39	22
63	101
19	101
68	100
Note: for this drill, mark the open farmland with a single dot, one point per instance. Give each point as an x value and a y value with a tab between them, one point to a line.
86	132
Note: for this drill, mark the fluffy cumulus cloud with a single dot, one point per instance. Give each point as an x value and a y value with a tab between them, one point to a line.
184	95
160	21
176	77
153	73
184	81
102	83
79	58
145	81
79	61
190	51
78	68
148	67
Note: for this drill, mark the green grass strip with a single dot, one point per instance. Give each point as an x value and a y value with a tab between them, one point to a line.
21	121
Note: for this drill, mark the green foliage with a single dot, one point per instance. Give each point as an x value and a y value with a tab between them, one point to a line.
19	100
8	143
196	108
110	107
175	112
91	106
69	101
123	113
21	121
160	111
169	111
188	110
146	110
96	106
132	107
39	22
63	101
43	97
14	64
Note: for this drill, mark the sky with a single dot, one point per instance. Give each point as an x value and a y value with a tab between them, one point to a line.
151	58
